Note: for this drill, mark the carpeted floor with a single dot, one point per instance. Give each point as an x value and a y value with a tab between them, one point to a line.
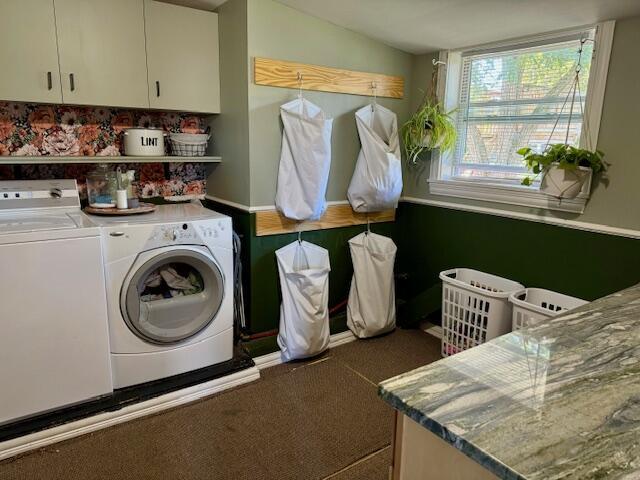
303	420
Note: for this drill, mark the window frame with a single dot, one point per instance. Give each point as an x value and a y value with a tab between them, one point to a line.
506	192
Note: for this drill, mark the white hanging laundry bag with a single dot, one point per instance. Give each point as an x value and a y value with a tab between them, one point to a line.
371	309
377	179
304	312
305	159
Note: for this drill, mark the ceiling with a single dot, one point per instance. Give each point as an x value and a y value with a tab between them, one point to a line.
420	26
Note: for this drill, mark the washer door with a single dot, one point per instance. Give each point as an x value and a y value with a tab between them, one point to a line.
173	295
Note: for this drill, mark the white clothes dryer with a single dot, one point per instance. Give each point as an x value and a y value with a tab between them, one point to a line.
169	278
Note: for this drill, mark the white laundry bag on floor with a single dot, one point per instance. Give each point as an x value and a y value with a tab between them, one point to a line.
304	312
305	159
377	179
372	307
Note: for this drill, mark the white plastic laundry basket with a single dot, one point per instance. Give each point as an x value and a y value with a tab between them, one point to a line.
533	305
475	308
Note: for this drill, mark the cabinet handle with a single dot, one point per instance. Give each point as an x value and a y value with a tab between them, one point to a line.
49	81
72	83
157	88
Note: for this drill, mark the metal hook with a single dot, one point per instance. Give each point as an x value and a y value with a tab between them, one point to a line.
374	89
299	238
437	62
299	85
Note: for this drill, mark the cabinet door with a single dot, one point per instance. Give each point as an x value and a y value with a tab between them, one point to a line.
102	52
28	52
182	58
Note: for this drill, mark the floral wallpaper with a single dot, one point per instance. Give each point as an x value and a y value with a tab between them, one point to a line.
48	130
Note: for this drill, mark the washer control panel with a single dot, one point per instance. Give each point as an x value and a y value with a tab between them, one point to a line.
195	232
177	233
211	230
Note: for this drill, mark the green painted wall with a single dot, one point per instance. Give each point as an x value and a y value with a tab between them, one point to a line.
307	39
575	262
280	32
430	239
231	179
261	284
265	294
415	176
248	135
615	204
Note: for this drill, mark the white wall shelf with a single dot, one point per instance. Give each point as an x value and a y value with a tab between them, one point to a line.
49	159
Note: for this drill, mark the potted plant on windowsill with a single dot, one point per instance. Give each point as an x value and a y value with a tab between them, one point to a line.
564	168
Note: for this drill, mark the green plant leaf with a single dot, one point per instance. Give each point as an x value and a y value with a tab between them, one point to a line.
429	118
567	157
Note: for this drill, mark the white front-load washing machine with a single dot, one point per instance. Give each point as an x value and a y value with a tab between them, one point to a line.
169	278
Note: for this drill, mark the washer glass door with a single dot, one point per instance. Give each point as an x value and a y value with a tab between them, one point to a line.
172	296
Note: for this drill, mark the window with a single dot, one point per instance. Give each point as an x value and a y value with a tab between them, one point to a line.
509	96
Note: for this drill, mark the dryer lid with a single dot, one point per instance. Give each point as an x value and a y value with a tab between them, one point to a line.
34	221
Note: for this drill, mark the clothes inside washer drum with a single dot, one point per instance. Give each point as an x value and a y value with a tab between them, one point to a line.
166	282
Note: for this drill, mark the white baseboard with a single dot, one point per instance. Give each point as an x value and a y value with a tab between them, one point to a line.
17	446
268	360
431	329
341	338
67	431
275	358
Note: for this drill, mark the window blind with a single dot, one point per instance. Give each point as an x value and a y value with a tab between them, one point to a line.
512	98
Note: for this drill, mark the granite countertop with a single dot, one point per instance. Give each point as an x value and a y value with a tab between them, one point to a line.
557	401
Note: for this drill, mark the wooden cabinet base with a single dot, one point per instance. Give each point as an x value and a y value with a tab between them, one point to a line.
420	455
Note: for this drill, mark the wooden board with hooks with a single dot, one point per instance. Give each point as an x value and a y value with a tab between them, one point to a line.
271	222
280	73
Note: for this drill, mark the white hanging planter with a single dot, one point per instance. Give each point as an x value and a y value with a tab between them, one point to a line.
428	131
426	140
561	183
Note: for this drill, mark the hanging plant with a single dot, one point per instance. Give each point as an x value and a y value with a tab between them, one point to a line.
564	168
430	126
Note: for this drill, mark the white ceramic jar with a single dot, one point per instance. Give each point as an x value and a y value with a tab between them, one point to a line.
143	142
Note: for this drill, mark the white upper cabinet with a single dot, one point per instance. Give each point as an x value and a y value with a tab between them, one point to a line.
114	53
182	58
102	52
28	52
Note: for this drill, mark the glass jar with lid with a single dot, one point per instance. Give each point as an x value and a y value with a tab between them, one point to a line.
101	187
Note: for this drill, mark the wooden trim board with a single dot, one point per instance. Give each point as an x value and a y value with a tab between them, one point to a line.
271	222
280	73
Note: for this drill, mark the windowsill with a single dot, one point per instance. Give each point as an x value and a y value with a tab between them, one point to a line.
509	194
